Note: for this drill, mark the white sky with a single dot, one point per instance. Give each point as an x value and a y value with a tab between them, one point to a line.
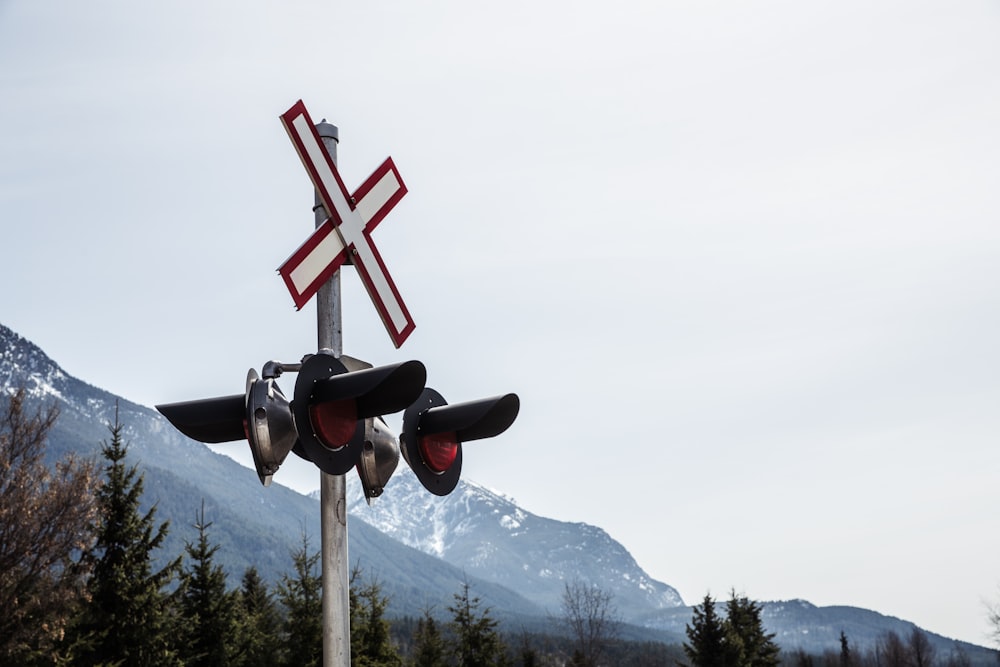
739	260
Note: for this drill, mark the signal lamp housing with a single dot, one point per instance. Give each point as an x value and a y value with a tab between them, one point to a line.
261	415
332	404
433	433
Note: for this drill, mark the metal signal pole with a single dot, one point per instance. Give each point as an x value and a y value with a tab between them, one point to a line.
333	488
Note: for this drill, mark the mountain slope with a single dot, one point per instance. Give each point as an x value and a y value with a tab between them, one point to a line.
498	541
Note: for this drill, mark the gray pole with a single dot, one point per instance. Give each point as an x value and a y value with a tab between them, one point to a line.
333	488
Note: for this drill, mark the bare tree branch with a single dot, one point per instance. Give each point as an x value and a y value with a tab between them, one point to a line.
591	619
46	520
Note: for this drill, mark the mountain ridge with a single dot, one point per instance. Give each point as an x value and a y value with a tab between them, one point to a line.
258	526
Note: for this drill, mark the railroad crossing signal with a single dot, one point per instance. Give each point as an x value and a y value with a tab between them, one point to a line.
346	234
335	421
335	416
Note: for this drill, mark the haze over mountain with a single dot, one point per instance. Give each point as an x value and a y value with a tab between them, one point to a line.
419	547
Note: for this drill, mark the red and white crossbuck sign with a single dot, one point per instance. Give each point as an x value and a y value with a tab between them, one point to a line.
346	233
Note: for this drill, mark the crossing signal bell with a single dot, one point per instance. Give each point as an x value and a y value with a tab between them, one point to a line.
379	458
433	433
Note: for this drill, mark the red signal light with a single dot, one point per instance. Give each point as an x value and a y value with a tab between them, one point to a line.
434	433
334	422
438	450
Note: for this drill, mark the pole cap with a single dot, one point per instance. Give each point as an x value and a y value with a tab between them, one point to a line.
328	131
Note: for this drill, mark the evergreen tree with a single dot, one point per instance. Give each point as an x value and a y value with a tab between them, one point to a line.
746	636
429	649
301	596
258	623
739	640
371	645
846	659
207	608
708	646
476	643
126	621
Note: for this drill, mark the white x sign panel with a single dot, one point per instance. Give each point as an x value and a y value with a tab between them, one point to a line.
346	234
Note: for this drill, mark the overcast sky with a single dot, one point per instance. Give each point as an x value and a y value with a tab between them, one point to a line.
739	260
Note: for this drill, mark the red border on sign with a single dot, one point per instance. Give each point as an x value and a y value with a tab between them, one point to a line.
370	183
303	251
398	337
288	120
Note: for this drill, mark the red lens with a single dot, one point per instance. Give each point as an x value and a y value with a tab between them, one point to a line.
439	451
334	422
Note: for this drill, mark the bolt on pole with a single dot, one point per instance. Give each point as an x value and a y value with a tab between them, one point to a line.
333	488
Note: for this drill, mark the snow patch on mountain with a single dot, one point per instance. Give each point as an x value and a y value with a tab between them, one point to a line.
493	538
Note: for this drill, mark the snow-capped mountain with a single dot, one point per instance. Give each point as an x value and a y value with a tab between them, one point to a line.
493	538
420	548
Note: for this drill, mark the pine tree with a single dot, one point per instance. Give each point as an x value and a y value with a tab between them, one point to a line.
127	619
477	643
258	622
301	595
371	645
207	608
739	640
428	644
746	635
707	636
846	659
